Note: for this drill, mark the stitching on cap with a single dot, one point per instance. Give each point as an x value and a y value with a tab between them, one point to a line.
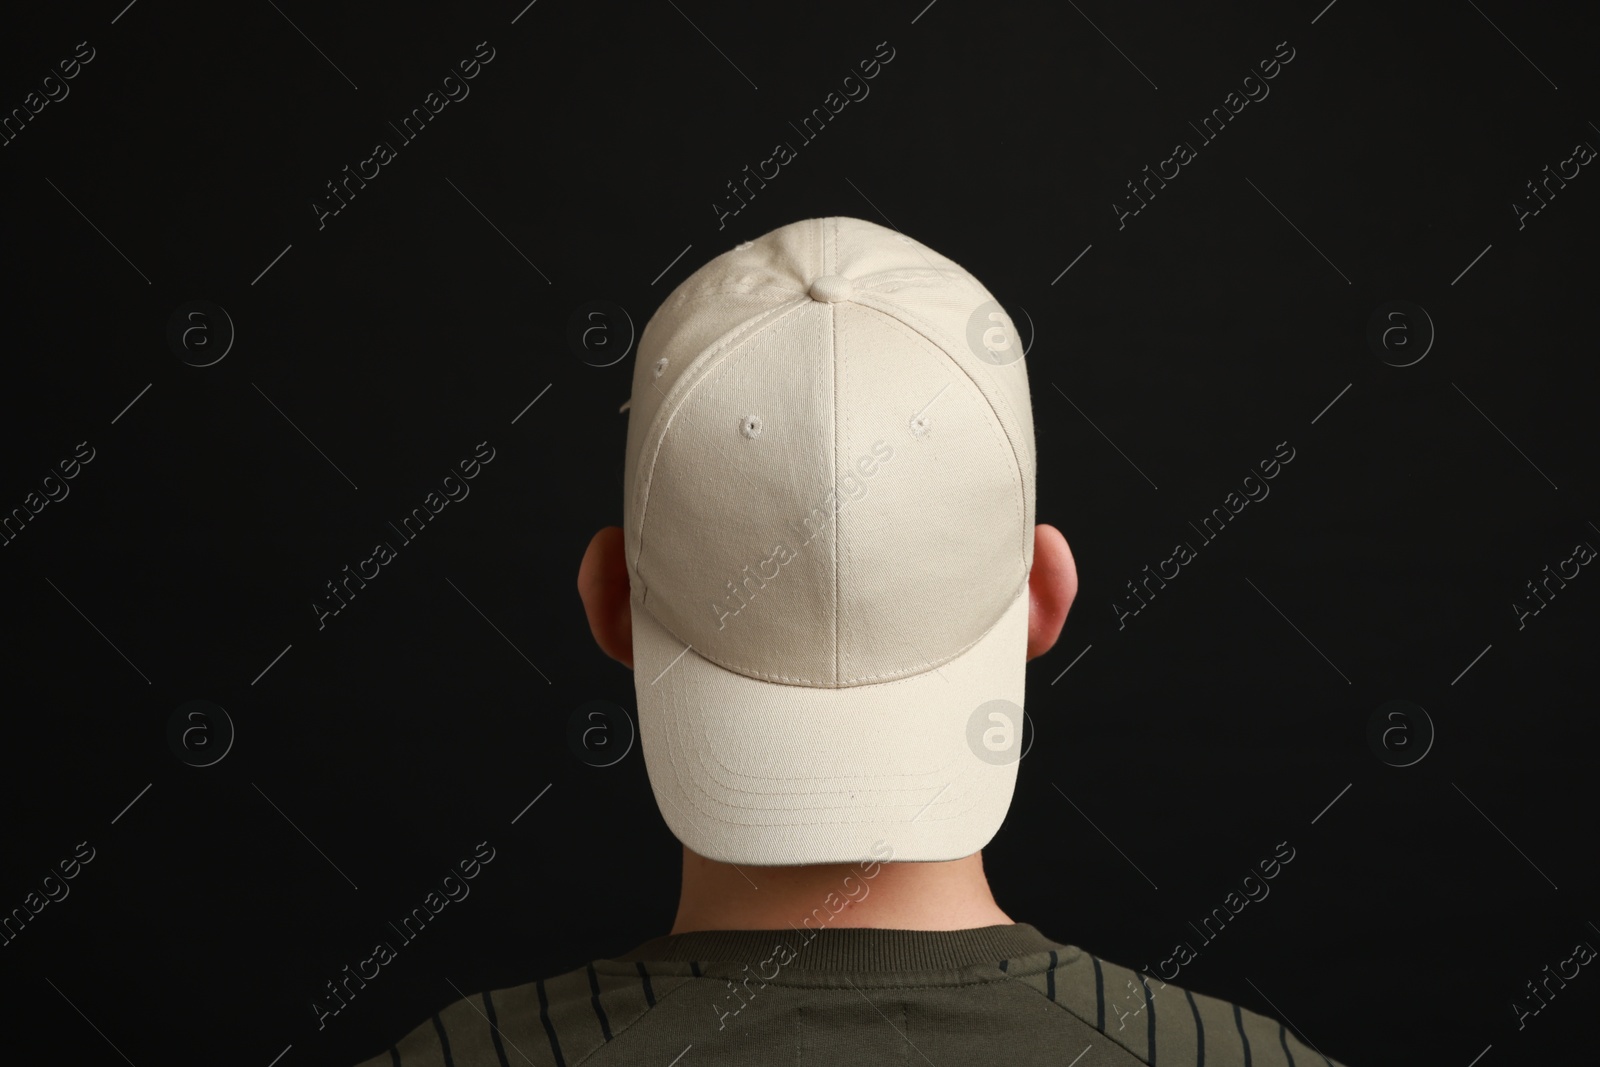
838	524
914	277
892	677
738	287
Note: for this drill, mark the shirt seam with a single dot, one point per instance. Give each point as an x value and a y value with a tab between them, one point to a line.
1042	956
617	1033
956	984
1111	1037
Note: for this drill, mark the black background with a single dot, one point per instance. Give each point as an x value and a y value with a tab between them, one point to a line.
1220	321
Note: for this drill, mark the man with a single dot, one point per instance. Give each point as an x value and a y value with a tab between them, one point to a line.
827	585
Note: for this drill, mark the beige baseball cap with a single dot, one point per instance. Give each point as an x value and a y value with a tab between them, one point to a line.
829	526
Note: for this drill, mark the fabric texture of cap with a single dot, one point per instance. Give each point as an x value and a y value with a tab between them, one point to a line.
828	515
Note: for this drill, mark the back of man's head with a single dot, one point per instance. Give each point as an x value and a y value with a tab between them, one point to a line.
829	527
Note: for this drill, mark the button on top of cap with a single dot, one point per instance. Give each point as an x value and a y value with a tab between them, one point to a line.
831	288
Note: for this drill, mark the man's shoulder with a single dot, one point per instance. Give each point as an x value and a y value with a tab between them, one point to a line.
1158	1021
555	1021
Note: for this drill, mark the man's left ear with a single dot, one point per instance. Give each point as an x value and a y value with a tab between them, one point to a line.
603	587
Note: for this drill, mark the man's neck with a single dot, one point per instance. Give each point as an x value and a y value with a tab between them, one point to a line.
951	895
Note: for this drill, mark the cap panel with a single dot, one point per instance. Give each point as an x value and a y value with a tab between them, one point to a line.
928	506
729	560
723	297
940	312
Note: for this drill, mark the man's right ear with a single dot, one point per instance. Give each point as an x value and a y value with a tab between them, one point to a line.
603	586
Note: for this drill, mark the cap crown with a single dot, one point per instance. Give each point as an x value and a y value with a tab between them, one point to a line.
827	483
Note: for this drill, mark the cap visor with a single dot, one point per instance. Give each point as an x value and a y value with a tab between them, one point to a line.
763	773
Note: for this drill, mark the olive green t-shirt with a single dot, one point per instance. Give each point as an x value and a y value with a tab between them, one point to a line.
993	995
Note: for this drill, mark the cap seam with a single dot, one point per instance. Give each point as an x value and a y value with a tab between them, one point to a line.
915	670
838	522
896	278
739	287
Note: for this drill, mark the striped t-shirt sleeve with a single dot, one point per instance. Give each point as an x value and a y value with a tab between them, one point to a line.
555	1022
1165	1025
